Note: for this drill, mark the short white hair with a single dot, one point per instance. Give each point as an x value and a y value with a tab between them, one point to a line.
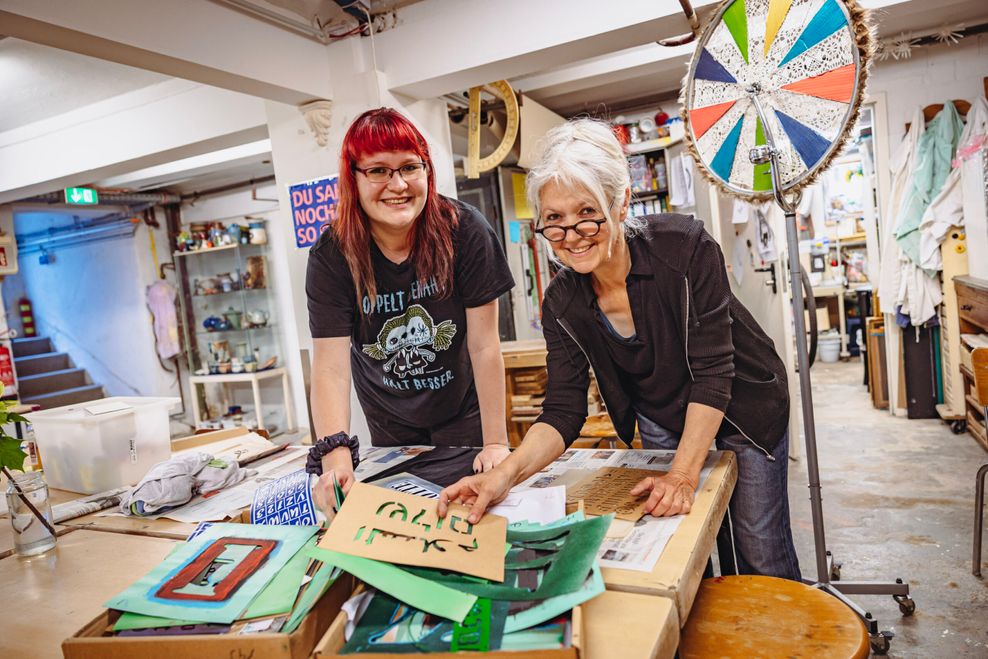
584	153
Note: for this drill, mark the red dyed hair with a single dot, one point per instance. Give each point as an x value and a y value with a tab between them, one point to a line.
431	236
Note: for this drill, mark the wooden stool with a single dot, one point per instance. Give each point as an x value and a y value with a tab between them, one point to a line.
749	616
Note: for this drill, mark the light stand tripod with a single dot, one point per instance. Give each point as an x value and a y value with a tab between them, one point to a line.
828	572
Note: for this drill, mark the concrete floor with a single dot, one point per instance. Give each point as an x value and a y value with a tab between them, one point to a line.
898	500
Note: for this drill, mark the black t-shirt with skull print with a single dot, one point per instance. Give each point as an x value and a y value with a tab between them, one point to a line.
408	353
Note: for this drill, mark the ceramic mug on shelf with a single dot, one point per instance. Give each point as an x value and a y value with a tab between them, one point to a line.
257	318
258	234
233	317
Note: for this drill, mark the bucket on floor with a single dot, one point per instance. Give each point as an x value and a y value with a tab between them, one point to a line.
828	347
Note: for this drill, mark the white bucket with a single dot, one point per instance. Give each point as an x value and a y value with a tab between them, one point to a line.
828	347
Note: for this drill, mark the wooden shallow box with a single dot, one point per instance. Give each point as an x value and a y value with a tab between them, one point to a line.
331	642
88	643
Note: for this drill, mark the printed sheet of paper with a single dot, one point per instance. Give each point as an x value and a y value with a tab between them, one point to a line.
536	505
409	484
640	548
375	459
241	449
287	500
608	489
395	527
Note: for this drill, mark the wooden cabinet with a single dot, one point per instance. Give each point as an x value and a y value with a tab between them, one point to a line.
972	320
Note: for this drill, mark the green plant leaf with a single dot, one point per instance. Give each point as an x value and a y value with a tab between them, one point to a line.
11	455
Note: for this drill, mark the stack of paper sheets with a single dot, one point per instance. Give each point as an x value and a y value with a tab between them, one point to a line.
237	578
462	586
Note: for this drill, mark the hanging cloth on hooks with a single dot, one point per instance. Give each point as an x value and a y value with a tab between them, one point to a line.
947	209
161	301
902	165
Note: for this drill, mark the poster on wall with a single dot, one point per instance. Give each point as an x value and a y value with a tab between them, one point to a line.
314	205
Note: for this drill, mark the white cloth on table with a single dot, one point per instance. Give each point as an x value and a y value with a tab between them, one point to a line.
174	482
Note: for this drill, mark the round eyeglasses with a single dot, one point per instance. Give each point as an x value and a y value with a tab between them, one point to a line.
413	171
557	233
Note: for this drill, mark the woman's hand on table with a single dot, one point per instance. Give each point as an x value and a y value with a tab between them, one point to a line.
669	494
489	457
479	492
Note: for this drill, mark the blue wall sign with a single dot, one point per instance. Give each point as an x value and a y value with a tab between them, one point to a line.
314	205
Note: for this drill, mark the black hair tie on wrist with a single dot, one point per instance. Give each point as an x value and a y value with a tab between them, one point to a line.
313	464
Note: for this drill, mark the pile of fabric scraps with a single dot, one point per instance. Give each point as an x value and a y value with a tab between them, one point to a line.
174	482
548	570
228	578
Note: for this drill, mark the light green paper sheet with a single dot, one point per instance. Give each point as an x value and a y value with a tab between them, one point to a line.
415	591
324	577
140	596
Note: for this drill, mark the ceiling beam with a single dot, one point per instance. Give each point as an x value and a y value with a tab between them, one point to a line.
200	41
477	41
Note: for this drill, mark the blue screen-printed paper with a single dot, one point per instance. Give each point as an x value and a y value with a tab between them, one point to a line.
216	576
287	500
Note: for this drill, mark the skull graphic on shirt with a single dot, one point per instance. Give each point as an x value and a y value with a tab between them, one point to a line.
403	339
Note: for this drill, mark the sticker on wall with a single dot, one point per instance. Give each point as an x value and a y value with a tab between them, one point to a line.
314	204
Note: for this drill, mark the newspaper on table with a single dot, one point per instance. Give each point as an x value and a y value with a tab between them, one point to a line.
88	504
287	500
641	547
375	459
410	484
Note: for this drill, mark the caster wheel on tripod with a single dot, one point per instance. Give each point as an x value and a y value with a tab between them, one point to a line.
835	572
881	642
906	604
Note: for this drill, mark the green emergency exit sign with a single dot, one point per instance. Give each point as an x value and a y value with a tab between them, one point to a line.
81	196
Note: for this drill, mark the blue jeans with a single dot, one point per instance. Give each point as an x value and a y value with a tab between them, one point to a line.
755	535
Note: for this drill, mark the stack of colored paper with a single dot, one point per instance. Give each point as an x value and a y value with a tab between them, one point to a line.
227	578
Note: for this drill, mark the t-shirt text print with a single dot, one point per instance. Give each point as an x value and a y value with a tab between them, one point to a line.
407	344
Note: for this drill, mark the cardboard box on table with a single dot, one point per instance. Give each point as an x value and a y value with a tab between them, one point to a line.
88	642
329	645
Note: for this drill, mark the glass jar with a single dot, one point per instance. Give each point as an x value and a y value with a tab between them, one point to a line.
30	535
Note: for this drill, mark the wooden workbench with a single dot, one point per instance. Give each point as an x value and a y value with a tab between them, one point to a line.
630	626
47	598
679	570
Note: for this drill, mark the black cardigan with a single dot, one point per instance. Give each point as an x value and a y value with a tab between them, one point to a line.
732	362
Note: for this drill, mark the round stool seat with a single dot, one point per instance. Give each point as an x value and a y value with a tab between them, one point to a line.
751	616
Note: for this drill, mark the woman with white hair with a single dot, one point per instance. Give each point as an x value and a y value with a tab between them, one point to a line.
646	303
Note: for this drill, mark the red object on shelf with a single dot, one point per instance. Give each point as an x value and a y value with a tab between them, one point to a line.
27	317
6	368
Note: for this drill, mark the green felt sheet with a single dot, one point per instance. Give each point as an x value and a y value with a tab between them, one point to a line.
324	577
566	573
415	591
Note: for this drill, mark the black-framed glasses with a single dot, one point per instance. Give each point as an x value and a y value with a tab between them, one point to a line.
557	233
412	171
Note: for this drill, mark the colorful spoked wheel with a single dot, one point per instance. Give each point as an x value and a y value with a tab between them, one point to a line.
804	60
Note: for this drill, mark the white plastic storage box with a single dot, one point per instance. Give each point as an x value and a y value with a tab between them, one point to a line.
102	444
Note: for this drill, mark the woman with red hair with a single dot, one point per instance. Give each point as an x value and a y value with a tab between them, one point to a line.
402	292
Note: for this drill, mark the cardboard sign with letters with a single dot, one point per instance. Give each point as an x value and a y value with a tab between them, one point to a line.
391	526
608	489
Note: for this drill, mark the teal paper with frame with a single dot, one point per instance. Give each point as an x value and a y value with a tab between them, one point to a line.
155	593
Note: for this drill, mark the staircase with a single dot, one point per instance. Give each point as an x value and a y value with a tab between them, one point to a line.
48	378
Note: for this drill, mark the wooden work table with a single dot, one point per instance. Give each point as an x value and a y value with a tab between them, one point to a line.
47	598
679	570
639	615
